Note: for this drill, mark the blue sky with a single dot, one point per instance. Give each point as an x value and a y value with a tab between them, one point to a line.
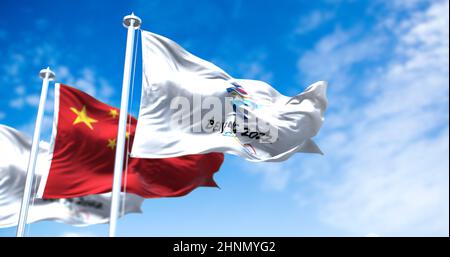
386	167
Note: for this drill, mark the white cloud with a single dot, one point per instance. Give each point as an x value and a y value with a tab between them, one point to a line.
32	100
335	55
46	127
22	85
278	176
23	100
313	21
63	72
16	103
106	90
275	176
255	70
403	4
387	168
253	66
86	80
20	90
397	193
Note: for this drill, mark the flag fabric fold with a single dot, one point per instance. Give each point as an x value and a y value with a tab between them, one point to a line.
81	211
83	151
191	106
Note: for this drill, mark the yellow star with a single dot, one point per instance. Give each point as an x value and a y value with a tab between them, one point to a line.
111	143
127	135
113	113
83	117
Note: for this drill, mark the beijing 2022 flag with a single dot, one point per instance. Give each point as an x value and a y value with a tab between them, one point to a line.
191	106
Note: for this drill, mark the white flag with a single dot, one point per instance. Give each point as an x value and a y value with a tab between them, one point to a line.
191	106
82	211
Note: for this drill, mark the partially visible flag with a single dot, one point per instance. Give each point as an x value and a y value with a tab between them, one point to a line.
83	150
81	211
191	106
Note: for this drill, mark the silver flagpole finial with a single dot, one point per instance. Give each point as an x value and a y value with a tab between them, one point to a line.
51	75
136	21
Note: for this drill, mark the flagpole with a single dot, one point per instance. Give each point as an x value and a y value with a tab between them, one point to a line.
46	76
131	22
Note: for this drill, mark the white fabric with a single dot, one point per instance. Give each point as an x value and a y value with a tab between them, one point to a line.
171	75
80	211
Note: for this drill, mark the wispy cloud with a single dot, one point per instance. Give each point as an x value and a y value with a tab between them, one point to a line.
387	151
275	176
253	66
87	80
46	127
23	60
337	55
313	20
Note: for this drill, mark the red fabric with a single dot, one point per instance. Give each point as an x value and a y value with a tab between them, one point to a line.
83	164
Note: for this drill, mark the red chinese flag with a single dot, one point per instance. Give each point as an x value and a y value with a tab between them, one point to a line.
84	149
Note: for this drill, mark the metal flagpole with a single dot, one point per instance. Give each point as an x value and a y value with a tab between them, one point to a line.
131	22
46	75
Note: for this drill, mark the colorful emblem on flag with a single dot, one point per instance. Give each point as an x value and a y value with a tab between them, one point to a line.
241	99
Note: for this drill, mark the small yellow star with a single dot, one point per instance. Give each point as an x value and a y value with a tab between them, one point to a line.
83	117
111	143
113	113
127	135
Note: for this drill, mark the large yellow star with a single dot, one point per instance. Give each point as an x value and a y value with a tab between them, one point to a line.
113	113
83	117
111	143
